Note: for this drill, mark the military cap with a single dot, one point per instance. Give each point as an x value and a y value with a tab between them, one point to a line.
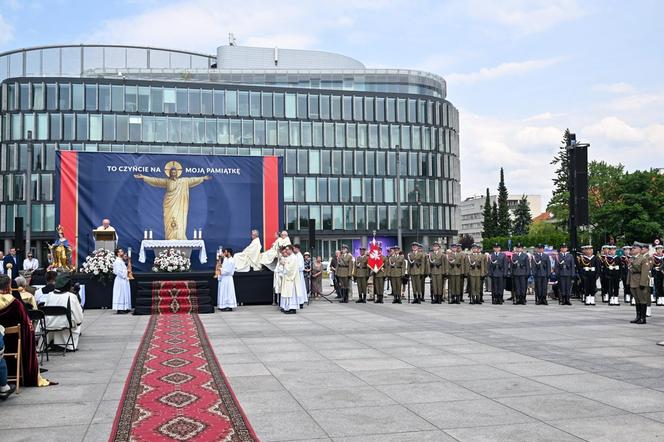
62	280
416	244
476	245
612	247
363	248
626	247
307	254
496	245
344	246
518	245
563	246
659	246
435	243
586	247
637	244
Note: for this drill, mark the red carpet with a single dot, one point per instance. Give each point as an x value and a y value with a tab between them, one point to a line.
174	297
176	389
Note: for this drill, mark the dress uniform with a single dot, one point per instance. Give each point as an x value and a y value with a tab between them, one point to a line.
475	271
379	281
541	269
639	282
397	265
361	271
520	269
624	273
498	270
603	284
455	270
565	270
416	272
658	274
344	273
588	267
611	266
437	270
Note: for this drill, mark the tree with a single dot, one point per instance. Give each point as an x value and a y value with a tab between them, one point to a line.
604	183
488	224
522	217
494	218
503	227
466	241
559	203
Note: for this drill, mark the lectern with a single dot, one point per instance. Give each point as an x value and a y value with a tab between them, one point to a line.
105	239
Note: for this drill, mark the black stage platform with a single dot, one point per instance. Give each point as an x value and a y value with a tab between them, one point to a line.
251	288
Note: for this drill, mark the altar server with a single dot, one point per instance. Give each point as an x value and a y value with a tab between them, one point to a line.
290	285
226	300
121	288
303	295
63	297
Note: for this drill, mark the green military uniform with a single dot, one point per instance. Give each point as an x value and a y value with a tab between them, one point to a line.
397	265
456	269
639	283
475	271
437	270
416	272
361	272
379	282
344	272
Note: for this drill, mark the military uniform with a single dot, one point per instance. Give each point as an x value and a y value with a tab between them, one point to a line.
379	282
397	264
416	271
588	266
520	268
541	269
437	270
658	275
603	284
639	283
565	272
475	271
344	272
455	270
498	270
361	272
624	273
612	268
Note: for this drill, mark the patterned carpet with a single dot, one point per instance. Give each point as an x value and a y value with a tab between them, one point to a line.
174	297
176	390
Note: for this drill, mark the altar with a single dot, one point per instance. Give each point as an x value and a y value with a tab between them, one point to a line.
185	246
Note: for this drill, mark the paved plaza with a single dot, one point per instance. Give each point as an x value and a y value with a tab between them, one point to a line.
387	372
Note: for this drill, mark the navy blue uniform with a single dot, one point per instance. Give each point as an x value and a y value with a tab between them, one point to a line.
565	272
497	271
520	272
541	268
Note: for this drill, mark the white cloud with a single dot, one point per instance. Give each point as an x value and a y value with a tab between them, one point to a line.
503	70
6	31
613	129
615	88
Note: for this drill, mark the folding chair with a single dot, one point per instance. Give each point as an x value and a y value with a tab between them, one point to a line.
56	310
41	334
15	330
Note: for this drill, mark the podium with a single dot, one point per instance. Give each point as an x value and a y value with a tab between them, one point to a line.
105	239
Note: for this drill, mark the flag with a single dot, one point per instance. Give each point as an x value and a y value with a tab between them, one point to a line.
375	260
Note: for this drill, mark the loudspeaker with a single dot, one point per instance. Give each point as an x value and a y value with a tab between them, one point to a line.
312	236
19	238
581	170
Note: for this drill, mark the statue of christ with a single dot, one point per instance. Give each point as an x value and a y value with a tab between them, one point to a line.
176	198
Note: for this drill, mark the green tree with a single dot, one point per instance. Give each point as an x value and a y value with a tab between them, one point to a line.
522	217
504	224
559	203
604	186
488	224
494	217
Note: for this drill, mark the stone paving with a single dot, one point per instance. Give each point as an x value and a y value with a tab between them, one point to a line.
366	372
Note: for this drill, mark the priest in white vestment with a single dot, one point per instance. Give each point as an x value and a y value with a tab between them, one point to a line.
64	298
226	300
278	275
249	258
121	288
290	286
270	257
302	296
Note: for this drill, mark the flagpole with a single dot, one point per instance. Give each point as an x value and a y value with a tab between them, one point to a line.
398	196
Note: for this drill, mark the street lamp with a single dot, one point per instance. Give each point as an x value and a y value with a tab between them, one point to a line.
417	201
398	147
28	197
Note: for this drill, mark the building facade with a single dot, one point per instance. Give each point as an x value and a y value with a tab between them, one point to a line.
339	126
471	211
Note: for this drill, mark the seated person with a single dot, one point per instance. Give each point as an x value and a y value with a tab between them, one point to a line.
26	296
5	389
48	288
63	297
249	258
30	264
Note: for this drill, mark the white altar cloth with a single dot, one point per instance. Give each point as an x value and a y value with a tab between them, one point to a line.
184	245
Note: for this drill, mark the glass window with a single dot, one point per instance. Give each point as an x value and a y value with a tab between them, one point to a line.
340	134
338	218
267	104
182	98
108	128
288	189
291	217
135	128
370	170
243	103
299	189
311	190
186	131
28	126
90	97
291	162
291	111
24	97
382	218
169	101
401	110
157	100
325	107
329	134
313	106
302	161
279	105
95	127
104	97
219	103
373	136
347	108
236	132
271	127
348	163
38	96
199	130
362	136
358	109
405	137
392	214
325	161
356	190
117	102
322	190
194	101
389	190
302	106
17	133
349	213
327	217
259	132
255	104
294	133
69	127
64	97
77	97
421	107
351	135
56	133
412	111
51	97
247	132
306	134
391	110
206	102
337	166
314	161
283	133
223	132
359	163
81	127
391	164
336	107
231	102
416	138
122	128
318	134
360	219
344	193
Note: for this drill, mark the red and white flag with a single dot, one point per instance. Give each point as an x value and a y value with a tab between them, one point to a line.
375	260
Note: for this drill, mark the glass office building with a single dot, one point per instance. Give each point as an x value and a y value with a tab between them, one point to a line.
341	128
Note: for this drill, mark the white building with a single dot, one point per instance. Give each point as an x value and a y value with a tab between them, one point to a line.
471	212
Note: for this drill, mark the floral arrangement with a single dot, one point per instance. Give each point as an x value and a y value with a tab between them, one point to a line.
171	260
99	264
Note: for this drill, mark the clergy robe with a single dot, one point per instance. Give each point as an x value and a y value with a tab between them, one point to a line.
290	285
302	296
226	289
249	258
121	287
269	257
64	299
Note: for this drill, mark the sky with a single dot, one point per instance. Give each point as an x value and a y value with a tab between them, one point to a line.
519	71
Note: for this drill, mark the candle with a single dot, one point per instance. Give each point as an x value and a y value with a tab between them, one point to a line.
145	234
129	252
200	233
150	234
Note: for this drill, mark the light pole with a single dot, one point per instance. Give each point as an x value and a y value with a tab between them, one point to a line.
417	201
28	196
398	196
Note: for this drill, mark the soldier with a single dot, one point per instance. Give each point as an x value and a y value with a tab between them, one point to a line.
520	269
397	265
624	273
498	269
588	265
426	272
639	282
612	268
379	280
455	266
361	272
604	286
344	272
438	269
658	274
415	270
541	267
475	271
565	272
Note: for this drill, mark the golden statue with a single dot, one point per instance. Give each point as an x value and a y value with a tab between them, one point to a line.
176	198
60	252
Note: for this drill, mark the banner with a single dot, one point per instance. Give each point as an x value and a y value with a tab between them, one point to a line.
172	195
